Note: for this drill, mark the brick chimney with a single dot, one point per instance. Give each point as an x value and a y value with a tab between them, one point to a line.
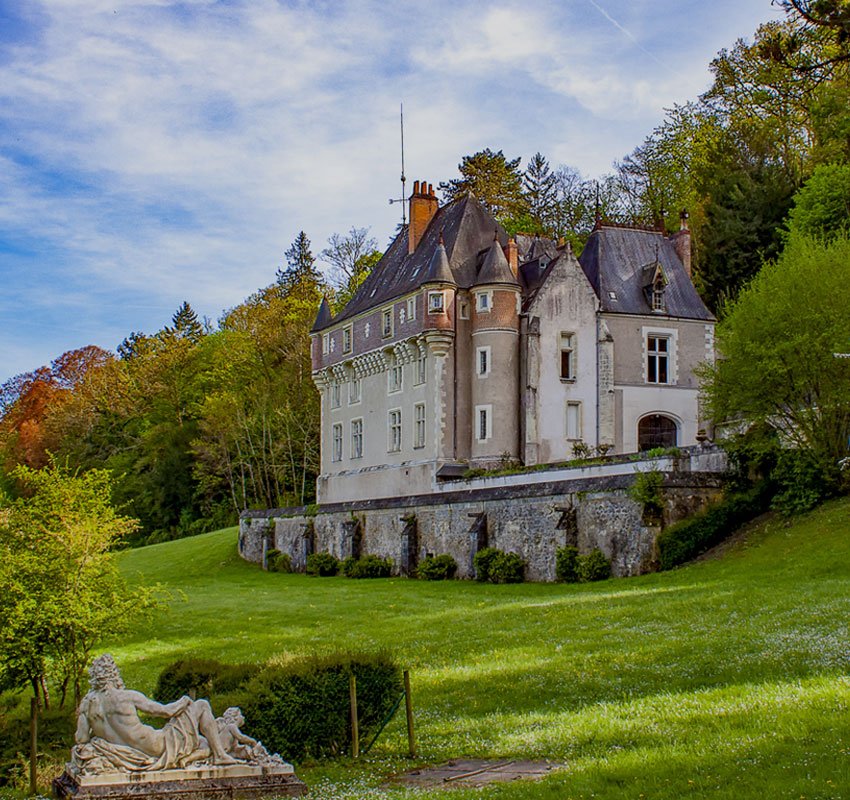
512	254
682	241
423	206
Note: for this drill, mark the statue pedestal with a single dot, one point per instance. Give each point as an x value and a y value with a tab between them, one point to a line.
192	783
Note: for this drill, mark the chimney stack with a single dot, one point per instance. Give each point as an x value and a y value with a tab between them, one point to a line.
423	206
682	241
512	255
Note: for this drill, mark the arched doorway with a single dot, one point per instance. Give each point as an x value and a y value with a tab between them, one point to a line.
657	430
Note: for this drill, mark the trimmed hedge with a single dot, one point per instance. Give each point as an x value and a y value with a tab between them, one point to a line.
200	677
437	568
324	565
300	710
691	537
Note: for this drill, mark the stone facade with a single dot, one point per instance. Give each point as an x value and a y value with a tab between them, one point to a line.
530	514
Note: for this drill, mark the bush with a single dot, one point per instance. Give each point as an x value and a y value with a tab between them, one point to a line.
437	568
646	490
369	566
507	568
691	537
593	567
301	710
322	564
482	562
566	564
200	677
801	482
278	562
496	566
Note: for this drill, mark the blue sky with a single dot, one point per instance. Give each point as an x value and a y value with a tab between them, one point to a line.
154	152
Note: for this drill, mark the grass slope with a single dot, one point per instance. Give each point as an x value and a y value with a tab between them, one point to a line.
726	679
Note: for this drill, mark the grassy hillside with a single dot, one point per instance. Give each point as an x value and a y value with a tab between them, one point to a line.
726	679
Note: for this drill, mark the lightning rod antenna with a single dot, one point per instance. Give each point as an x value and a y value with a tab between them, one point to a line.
403	178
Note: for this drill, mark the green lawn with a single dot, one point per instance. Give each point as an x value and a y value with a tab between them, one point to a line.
726	679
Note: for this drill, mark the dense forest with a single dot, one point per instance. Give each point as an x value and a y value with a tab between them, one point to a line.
198	421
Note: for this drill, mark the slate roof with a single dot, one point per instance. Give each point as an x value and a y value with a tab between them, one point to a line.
614	259
323	317
495	268
467	229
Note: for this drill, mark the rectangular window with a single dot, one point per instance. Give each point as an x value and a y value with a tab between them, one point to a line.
483	423
573	420
357	438
395	378
658	299
482	361
386	323
567	369
411	308
482	302
421	369
394	424
347	337
436	302
419	425
657	359
354	391
335	395
464	310
326	343
336	439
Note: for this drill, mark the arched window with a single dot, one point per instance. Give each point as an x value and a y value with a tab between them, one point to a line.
656	430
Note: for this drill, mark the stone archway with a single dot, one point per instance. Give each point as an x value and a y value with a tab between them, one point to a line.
657	430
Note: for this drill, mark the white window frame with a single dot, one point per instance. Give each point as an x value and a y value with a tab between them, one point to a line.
347	338
464	309
483	302
487	410
672	336
336	394
436	302
411	309
483	357
355	391
394	430
395	378
336	441
326	343
573	404
421	375
387	315
571	349
357	438
419	425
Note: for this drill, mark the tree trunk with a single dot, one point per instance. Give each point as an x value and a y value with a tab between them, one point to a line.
34	741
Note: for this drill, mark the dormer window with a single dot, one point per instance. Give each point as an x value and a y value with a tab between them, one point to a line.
654	286
658	297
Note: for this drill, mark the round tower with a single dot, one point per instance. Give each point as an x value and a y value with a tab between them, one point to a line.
495	396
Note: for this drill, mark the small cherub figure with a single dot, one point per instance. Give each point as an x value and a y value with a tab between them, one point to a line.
236	743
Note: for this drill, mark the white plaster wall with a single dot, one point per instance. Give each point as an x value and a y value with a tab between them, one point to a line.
566	303
680	403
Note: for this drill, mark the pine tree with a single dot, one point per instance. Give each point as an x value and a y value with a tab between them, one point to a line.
185	323
300	264
493	179
540	189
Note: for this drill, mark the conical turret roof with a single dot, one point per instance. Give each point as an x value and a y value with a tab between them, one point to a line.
495	268
438	270
323	318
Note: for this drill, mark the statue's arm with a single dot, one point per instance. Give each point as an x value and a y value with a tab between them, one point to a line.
83	733
240	737
155	709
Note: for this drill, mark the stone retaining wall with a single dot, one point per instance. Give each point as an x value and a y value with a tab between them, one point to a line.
533	520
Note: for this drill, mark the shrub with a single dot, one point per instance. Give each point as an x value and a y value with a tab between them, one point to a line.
593	567
691	537
801	482
200	677
437	568
301	709
369	566
278	562
507	568
566	564
322	564
482	561
646	490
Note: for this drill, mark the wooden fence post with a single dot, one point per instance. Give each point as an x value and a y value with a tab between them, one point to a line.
355	728
408	706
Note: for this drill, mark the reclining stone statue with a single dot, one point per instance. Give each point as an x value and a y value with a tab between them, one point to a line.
111	737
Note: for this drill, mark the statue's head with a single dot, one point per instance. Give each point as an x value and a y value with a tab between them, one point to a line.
234	715
104	674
